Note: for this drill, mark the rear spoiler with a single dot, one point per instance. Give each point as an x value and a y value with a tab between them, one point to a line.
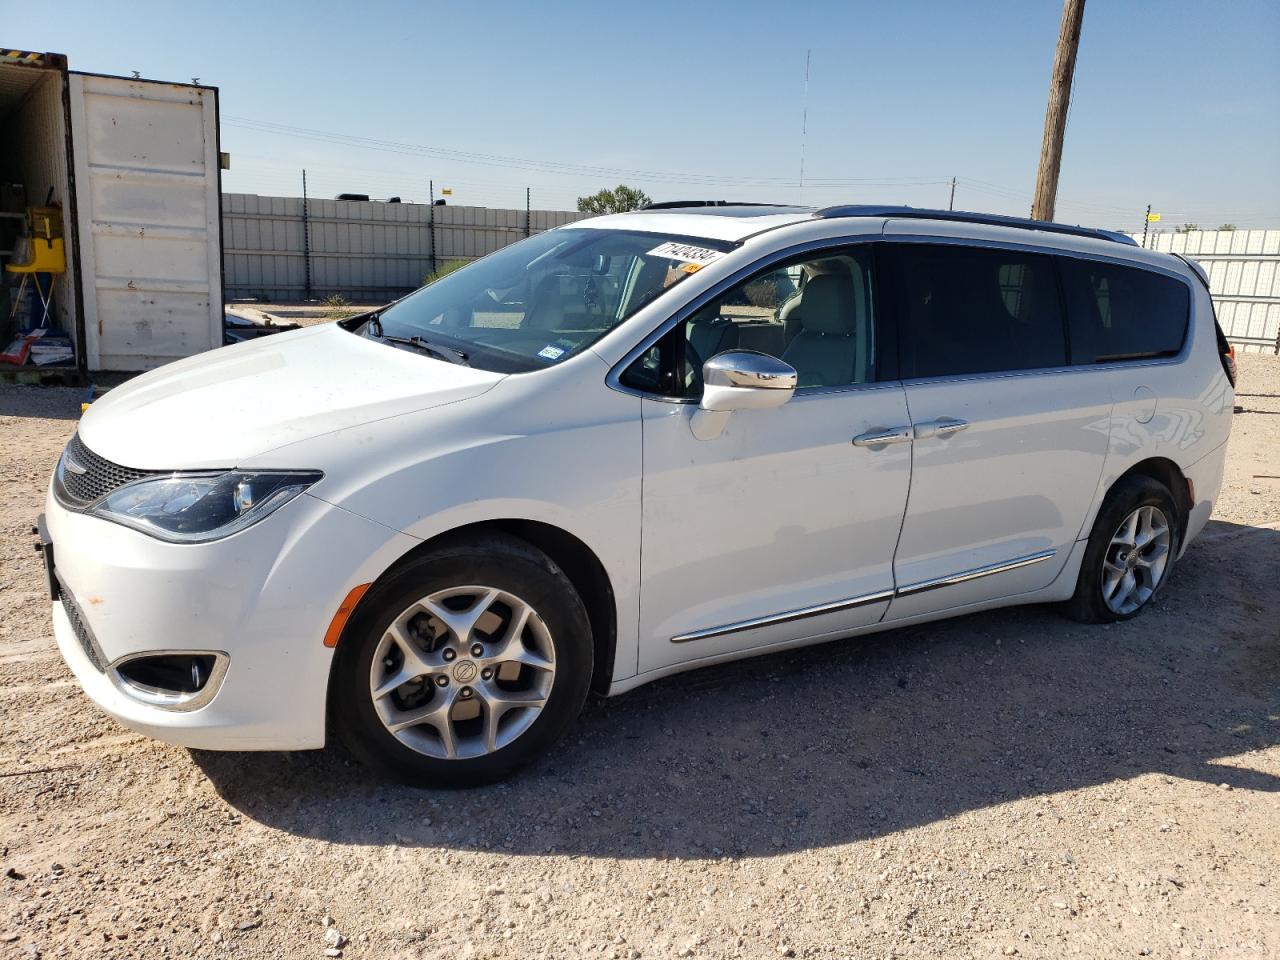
1198	270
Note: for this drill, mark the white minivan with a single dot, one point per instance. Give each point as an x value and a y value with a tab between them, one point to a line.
623	448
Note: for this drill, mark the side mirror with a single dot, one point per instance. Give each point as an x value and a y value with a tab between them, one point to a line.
740	380
746	380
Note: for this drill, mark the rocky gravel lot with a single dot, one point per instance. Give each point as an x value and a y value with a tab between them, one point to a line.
1008	784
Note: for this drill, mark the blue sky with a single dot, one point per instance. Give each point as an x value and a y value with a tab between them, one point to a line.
1176	104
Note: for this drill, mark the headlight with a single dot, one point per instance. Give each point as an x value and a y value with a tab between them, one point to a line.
197	507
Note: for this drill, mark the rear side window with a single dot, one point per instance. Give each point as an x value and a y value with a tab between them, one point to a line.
1123	313
974	310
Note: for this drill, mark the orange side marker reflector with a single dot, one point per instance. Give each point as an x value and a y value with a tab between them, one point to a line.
344	612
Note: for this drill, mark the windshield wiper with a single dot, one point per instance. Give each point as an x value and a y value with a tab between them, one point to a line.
447	354
434	349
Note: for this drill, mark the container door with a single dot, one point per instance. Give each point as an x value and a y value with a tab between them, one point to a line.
147	181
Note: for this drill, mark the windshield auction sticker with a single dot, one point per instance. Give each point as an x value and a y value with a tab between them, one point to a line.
686	253
551	352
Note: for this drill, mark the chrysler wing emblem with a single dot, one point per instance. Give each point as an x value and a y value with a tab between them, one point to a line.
72	465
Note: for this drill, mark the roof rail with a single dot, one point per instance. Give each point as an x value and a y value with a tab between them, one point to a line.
684	204
962	216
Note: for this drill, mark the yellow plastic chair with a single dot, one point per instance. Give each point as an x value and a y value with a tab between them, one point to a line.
48	255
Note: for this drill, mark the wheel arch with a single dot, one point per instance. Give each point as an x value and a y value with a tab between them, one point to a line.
1165	471
578	561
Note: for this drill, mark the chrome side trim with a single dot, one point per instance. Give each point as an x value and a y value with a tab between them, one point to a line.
912	588
800	614
967	575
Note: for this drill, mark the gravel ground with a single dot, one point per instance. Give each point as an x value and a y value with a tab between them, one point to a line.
1007	784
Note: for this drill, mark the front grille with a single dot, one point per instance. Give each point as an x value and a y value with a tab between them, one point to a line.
83	634
99	477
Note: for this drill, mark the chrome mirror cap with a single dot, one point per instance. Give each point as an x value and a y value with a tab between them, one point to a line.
746	380
750	369
740	380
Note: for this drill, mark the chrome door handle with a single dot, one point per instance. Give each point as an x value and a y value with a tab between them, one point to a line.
942	427
876	438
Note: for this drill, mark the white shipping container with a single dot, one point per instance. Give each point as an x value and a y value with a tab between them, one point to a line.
134	165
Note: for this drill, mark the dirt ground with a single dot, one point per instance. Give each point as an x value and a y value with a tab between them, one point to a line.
1007	784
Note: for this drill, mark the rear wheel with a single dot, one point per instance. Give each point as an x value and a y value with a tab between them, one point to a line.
464	665
1130	552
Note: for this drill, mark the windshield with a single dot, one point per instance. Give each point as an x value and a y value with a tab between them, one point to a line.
540	301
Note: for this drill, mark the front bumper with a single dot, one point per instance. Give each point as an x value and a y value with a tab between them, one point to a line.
263	596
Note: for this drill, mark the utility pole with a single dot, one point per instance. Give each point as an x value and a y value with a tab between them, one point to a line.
952	204
1146	222
528	211
306	241
1055	115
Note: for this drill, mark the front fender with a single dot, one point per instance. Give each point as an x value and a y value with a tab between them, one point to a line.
511	455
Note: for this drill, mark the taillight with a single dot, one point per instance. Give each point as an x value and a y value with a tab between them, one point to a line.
1227	352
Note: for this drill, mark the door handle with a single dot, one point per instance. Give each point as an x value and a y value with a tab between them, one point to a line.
942	427
876	438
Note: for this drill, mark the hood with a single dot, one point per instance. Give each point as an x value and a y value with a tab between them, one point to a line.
222	407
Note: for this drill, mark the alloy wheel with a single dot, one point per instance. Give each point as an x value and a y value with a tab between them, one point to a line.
462	672
1136	560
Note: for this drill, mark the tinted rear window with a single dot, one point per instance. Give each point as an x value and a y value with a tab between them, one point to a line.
1123	313
970	310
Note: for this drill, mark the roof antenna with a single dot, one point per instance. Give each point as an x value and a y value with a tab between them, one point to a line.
804	119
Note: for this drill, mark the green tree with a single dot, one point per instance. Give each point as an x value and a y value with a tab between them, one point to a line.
1187	228
618	200
1227	226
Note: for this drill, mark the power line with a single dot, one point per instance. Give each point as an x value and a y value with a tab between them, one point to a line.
554	166
507	193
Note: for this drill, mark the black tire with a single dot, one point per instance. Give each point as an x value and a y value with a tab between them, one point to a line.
1088	605
497	560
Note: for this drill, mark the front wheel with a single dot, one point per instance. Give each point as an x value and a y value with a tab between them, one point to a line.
464	665
1130	552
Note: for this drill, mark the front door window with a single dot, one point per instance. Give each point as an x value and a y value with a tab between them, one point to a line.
813	313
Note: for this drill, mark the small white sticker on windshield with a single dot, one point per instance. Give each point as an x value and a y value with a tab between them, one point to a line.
685	253
551	352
